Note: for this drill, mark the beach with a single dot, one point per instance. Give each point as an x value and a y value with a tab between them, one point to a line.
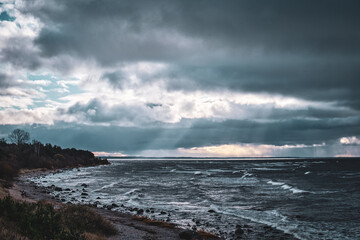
129	226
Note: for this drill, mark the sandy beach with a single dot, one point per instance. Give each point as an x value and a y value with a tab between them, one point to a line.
130	227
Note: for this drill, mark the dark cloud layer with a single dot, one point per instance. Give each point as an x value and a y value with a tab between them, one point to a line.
316	28
306	49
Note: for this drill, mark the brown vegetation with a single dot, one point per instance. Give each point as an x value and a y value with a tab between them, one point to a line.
42	221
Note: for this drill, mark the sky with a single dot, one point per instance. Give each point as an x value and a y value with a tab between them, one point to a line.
183	78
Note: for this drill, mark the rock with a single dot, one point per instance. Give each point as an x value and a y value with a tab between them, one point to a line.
84	194
114	205
59	189
140	211
239	230
68	189
162	213
98	198
147	210
84	185
211	211
267	228
189	234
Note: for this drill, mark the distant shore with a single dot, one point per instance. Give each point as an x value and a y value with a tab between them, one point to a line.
129	226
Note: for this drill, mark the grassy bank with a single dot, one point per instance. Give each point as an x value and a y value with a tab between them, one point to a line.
42	221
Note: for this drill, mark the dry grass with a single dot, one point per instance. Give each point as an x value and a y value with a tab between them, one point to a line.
3	191
93	236
42	221
83	218
153	222
10	232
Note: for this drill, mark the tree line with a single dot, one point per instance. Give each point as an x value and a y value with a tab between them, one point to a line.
21	153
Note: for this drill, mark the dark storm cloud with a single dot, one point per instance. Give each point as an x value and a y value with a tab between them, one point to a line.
307	49
97	111
5	80
115	78
320	81
20	53
321	27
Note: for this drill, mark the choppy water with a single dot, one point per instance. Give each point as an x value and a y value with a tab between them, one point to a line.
307	198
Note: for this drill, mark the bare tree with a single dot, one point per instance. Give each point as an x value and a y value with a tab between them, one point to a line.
19	136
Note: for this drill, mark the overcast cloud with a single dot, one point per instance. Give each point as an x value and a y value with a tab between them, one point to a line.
183	77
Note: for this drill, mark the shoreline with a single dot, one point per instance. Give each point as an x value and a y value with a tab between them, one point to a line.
129	226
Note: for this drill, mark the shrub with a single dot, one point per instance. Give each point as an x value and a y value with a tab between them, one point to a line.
35	220
85	219
7	171
41	221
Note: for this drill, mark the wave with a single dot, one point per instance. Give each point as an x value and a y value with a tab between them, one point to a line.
106	186
272	218
286	187
246	174
202	173
132	191
275	183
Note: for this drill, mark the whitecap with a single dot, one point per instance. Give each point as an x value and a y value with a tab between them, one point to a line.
132	191
275	183
106	186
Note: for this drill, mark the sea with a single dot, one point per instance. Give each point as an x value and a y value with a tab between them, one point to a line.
268	198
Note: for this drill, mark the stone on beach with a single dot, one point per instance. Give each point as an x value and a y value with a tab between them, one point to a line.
189	235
